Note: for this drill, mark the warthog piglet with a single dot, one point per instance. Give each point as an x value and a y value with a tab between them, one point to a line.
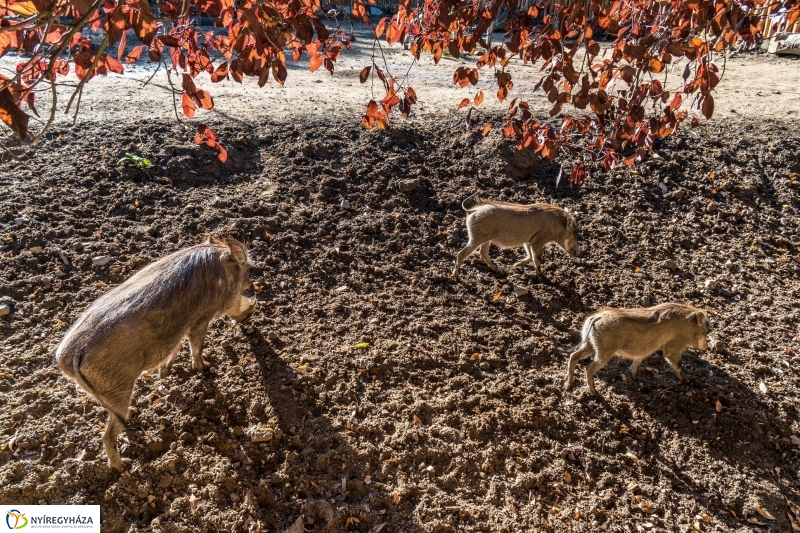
140	324
512	225
638	333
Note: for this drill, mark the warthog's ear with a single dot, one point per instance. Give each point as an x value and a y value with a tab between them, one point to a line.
700	317
570	222
236	252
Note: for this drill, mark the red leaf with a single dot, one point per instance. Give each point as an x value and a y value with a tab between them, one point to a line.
143	21
394	32
364	74
372	109
204	99
315	63
479	98
381	27
464	103
486	129
221	73
12	115
188	105
223	153
708	106
676	102
359	12
188	85
279	71
134	54
169	40
122	42
502	92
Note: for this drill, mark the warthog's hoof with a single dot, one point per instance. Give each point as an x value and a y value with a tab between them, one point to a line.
121	463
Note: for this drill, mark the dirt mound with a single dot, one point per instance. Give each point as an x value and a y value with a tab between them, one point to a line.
372	393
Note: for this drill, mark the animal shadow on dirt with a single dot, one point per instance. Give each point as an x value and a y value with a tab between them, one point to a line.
713	409
329	458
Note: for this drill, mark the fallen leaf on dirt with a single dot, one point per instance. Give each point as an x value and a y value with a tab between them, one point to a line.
396	498
754	520
377	528
795	440
193	502
762	387
304	368
763	512
416	419
476	355
647	507
632	457
497	296
719	406
567	477
362	345
351	521
576	516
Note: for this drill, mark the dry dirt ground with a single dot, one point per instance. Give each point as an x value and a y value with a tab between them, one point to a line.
372	393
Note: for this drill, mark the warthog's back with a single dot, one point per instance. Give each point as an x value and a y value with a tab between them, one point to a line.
510	225
640	332
150	308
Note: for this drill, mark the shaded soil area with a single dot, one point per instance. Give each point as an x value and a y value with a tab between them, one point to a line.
370	392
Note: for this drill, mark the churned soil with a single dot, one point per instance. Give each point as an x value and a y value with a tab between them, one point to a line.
370	392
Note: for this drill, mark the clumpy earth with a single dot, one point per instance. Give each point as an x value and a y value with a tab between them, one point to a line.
370	392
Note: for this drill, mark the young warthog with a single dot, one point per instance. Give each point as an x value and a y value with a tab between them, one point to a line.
140	324
638	333
511	225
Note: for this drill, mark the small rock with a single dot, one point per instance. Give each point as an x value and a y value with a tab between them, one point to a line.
235	497
647	301
238	431
226	343
669	264
408	185
36	249
101	260
5	309
718	346
676	195
345	204
186	436
711	284
22	221
157	446
78	246
729	264
272	336
260	434
519	292
712	206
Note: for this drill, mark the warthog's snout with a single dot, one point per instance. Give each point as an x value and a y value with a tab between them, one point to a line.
702	344
572	248
246	309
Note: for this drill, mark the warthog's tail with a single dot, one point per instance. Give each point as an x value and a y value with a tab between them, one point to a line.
471	203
